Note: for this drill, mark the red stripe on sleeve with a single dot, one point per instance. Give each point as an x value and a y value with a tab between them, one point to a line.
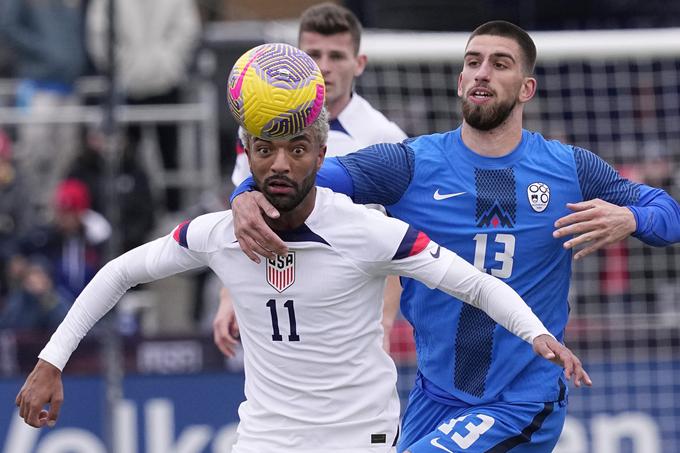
419	244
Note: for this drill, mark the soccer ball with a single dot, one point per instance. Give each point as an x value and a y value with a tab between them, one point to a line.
275	91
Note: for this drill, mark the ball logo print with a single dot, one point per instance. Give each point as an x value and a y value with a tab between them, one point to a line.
275	91
539	196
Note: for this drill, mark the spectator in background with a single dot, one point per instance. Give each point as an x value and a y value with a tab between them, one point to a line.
155	44
133	195
72	241
47	40
15	213
35	303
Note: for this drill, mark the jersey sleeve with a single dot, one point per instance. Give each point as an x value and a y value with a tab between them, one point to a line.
151	261
389	246
657	214
439	268
380	173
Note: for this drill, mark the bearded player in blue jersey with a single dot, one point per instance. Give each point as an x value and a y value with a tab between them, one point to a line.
511	202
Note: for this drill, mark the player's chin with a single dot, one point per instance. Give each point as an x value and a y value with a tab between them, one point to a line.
283	202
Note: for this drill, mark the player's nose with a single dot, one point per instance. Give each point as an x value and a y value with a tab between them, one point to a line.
280	162
324	64
483	71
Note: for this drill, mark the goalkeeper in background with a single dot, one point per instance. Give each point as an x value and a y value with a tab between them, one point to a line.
331	35
516	206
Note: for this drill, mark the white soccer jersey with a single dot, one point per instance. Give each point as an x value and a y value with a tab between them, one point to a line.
359	125
317	377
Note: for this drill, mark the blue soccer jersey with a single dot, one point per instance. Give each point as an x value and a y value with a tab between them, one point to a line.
499	214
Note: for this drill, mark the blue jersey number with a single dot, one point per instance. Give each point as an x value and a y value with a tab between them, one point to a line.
504	257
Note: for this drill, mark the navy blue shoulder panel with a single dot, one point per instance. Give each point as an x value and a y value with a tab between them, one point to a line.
380	173
598	179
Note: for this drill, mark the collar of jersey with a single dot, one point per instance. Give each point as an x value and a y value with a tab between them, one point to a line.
351	110
459	150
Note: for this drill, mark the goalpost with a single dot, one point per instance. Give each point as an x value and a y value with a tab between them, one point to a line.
616	93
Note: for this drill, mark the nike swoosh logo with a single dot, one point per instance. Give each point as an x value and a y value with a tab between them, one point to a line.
443	196
435	255
435	443
236	91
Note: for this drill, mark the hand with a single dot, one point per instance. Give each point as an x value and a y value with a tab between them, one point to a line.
252	232
225	327
551	349
597	223
43	386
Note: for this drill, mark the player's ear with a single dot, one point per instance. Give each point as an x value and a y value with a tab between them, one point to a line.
528	89
322	156
362	59
460	84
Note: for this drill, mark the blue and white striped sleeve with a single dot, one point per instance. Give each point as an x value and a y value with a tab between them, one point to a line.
656	213
380	173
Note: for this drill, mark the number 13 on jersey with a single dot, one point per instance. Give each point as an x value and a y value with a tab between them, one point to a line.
502	262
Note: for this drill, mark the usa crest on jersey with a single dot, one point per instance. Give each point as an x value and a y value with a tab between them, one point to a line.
539	196
281	271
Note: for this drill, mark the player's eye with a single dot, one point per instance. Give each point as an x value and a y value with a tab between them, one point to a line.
472	63
298	150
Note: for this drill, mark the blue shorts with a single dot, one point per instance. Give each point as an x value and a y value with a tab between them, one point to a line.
434	427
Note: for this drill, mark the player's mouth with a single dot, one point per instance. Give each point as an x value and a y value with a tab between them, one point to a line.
480	95
280	187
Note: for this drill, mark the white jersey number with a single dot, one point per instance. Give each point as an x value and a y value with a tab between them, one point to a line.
473	431
276	335
506	257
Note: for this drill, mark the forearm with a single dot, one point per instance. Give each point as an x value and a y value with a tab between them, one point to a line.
658	218
146	263
494	297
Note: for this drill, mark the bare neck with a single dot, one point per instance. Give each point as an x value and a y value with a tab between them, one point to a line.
496	142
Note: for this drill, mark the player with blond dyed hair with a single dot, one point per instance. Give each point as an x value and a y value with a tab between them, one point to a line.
331	35
317	377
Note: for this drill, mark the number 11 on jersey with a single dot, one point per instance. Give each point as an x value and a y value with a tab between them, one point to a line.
276	335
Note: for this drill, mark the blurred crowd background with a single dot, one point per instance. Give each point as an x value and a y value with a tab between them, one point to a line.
96	159
82	181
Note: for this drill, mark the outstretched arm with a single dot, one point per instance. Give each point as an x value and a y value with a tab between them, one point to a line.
616	208
507	308
152	261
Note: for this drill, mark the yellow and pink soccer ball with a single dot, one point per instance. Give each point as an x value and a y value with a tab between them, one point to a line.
275	91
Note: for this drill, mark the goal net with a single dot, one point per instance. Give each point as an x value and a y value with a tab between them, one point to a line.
616	93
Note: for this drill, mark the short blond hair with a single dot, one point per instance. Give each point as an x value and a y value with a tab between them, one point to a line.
319	129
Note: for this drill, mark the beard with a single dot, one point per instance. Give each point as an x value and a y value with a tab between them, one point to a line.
485	117
286	202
